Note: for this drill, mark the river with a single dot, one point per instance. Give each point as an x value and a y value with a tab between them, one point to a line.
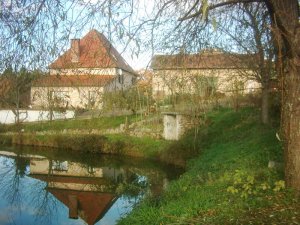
52	187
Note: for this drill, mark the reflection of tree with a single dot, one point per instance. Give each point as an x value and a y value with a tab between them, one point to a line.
133	186
11	177
21	165
10	183
45	204
15	170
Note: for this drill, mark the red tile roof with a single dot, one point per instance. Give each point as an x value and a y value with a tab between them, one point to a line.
73	81
95	52
207	60
93	205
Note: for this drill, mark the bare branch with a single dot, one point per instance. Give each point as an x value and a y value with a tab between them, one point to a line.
211	7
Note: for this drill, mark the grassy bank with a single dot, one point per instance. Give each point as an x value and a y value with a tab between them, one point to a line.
83	135
228	181
72	124
120	144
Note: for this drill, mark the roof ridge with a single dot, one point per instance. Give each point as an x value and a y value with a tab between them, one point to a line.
114	53
96	51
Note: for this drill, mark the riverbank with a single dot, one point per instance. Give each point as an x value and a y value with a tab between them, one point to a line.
235	177
119	144
234	172
104	135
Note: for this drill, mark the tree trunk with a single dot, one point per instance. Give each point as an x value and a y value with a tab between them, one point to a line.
284	15
265	105
291	124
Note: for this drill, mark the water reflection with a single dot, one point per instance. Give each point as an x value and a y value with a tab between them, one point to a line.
87	191
51	188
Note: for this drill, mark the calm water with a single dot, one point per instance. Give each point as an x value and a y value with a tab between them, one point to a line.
51	187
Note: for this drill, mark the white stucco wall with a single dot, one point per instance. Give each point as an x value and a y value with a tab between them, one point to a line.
166	82
79	97
8	117
73	96
120	83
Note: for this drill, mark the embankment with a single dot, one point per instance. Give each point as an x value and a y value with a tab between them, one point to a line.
120	144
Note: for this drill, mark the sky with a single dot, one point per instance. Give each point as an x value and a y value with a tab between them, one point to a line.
137	59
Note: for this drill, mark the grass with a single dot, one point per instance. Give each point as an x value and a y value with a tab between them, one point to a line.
75	124
228	180
120	144
142	147
57	134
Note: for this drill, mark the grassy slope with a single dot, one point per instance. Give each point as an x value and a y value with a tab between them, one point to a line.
229	182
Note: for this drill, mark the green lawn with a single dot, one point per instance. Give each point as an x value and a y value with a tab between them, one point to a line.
59	125
228	180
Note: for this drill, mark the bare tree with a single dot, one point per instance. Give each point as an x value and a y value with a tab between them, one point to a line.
254	37
16	89
32	30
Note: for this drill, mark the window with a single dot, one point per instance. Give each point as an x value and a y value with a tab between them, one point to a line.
59	166
91	170
121	79
120	76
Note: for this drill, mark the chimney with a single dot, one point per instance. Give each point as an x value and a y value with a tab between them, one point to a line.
73	206
75	50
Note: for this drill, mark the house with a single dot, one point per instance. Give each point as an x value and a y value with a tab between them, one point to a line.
204	73
79	77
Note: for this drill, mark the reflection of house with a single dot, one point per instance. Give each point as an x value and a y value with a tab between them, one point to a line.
82	74
89	206
202	73
88	192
